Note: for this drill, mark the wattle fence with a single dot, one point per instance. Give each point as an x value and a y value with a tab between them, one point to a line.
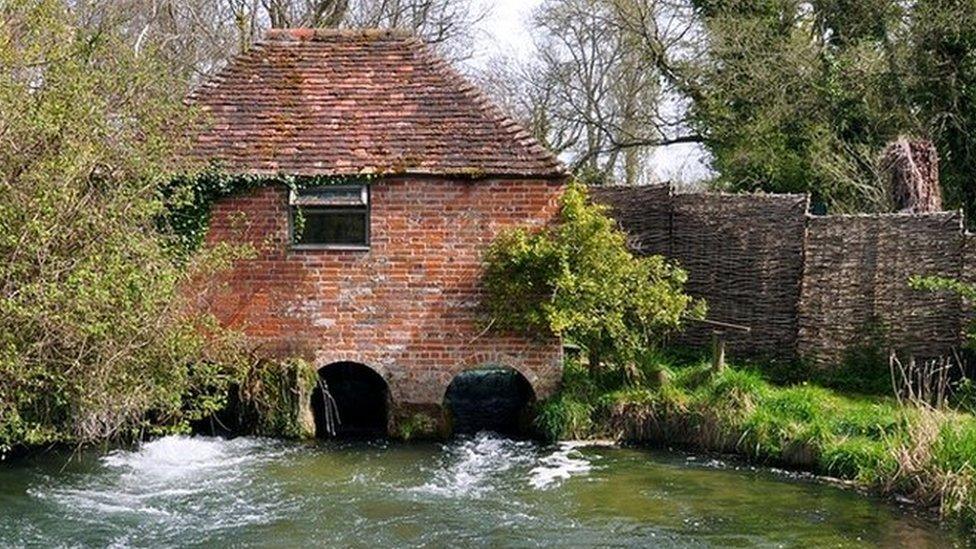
808	286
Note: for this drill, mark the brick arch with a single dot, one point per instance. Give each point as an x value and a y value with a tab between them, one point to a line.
361	419
326	360
485	359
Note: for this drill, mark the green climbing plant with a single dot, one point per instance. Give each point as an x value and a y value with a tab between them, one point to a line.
190	197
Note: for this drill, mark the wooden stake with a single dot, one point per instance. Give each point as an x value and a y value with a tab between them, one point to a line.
718	352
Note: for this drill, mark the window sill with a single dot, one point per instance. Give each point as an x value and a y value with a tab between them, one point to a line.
330	247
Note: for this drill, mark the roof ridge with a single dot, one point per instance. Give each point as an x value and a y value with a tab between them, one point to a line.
300	34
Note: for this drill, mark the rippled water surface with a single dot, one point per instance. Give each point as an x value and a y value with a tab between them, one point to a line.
481	491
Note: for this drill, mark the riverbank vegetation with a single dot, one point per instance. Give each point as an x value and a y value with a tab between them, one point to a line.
578	280
897	448
97	340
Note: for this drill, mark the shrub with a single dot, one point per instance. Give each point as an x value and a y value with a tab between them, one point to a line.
96	338
569	414
565	417
576	279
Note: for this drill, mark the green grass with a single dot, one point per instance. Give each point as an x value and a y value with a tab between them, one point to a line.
926	455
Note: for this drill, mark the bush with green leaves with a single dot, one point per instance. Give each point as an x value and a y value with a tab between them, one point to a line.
272	400
577	279
97	339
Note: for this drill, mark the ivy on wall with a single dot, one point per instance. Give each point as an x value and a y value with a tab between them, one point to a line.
190	197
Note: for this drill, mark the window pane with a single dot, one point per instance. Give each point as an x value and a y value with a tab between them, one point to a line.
333	227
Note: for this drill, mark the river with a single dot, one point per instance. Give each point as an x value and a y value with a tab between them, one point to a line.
478	491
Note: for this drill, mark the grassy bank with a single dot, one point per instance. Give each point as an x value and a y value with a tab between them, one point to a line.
925	455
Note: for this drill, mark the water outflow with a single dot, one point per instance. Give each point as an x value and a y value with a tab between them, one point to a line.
489	399
358	395
174	484
330	411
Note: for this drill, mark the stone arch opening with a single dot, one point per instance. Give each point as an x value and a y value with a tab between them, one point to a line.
490	398
351	401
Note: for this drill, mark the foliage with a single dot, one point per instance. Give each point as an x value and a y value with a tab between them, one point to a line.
943	85
577	279
800	100
96	340
417	425
569	414
273	397
802	97
922	453
786	96
190	196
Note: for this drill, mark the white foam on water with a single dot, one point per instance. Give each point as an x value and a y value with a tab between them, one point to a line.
475	467
561	465
181	457
169	484
470	466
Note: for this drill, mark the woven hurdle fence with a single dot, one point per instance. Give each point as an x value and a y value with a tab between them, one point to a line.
808	286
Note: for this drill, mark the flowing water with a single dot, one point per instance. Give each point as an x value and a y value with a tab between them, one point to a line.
480	491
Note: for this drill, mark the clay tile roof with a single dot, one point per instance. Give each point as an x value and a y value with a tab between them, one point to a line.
316	102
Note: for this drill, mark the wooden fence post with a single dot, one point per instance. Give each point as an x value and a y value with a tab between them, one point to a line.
718	351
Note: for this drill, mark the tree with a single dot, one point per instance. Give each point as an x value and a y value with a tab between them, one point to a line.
447	25
795	97
196	37
578	280
96	338
943	56
787	96
590	93
602	89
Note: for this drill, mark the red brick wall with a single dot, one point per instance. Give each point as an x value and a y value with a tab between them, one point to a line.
408	306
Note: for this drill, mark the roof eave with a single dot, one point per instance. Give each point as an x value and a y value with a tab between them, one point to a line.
472	175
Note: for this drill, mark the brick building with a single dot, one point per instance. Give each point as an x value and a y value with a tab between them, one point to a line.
373	271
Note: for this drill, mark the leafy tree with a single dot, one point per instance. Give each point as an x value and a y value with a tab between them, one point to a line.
578	280
798	97
793	96
943	86
96	339
786	96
